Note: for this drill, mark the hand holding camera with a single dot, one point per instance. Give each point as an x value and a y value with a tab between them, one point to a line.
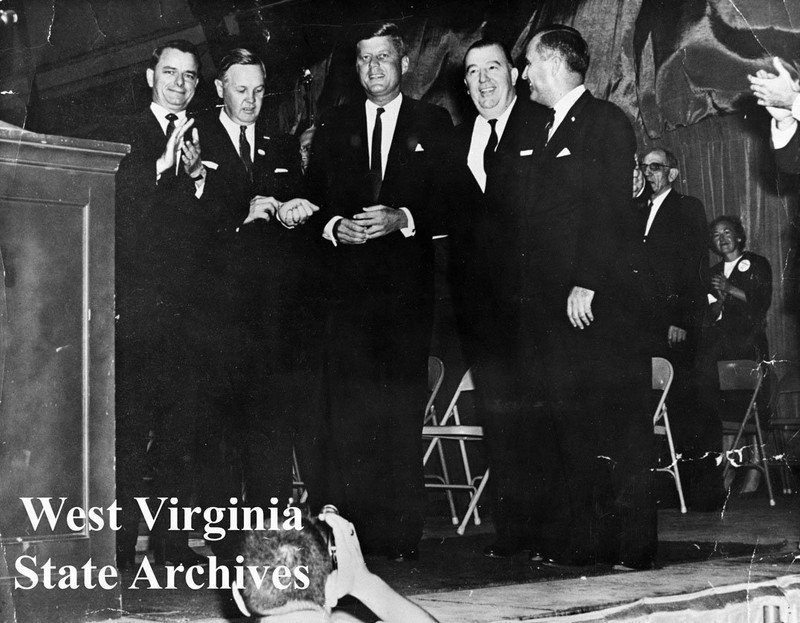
345	549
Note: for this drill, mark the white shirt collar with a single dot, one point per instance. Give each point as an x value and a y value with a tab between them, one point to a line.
161	115
563	106
391	112
392	108
657	201
232	128
655	205
480	137
502	120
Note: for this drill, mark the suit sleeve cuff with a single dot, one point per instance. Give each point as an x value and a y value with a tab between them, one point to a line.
200	184
781	137
410	229
327	233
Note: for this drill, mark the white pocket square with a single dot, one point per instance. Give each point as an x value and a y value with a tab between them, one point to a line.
279	170
564	152
208	164
418	148
526	152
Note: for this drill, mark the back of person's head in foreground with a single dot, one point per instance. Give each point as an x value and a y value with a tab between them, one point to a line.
304	550
319	586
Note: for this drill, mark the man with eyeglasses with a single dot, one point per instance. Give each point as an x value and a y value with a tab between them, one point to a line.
675	254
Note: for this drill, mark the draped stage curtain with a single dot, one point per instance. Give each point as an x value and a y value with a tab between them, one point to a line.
678	68
726	162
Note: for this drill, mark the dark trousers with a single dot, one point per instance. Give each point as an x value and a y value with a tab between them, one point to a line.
597	386
377	361
156	384
244	446
524	459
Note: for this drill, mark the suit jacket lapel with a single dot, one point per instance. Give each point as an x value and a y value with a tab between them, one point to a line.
358	139
155	136
261	153
399	148
562	136
513	142
463	139
662	224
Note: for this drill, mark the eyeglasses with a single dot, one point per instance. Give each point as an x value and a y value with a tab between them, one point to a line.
654	167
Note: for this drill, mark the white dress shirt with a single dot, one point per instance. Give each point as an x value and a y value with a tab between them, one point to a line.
388	124
481	130
782	136
234	131
563	106
655	204
160	114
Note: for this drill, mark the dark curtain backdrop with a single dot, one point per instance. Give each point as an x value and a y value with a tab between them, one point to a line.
677	67
726	162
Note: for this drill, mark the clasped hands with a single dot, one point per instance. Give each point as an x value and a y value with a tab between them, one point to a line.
777	92
375	221
291	213
185	144
721	284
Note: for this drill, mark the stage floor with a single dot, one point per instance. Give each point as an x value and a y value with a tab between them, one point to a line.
722	566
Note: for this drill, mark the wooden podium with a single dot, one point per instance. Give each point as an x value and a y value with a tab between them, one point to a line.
56	373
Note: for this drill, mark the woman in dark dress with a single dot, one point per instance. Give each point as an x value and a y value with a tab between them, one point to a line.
734	327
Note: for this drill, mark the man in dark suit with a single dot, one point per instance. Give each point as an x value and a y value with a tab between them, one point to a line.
579	311
674	237
484	274
159	228
261	375
374	174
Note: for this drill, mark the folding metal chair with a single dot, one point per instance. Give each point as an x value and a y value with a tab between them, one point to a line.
435	380
436	433
785	426
745	374
662	380
298	485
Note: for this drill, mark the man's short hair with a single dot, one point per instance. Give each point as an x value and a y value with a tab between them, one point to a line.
291	548
182	45
388	29
735	222
238	56
672	161
567	43
488	43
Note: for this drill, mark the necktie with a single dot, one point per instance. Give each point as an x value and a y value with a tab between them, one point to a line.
244	151
171	119
375	167
491	145
549	125
648	223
